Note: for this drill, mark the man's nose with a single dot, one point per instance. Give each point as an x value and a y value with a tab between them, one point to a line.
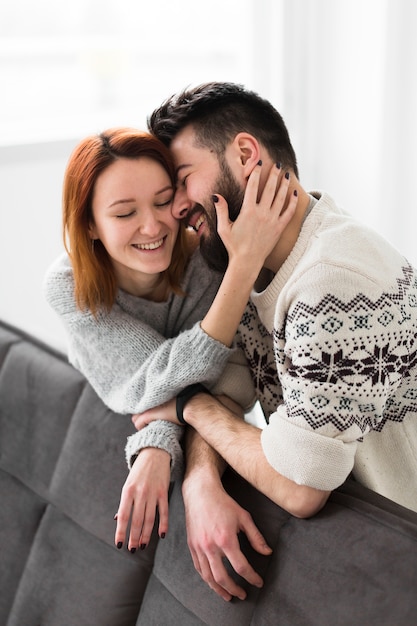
181	204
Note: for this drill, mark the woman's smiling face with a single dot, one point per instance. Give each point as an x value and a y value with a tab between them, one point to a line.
132	217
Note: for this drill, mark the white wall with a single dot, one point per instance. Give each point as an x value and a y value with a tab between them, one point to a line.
30	234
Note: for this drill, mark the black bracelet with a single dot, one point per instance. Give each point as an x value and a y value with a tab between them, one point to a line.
185	395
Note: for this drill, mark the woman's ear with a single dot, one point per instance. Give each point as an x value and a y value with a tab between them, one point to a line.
92	231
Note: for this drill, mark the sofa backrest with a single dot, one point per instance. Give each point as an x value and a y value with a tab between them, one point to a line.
61	471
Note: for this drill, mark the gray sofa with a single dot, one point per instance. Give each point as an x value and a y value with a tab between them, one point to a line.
61	470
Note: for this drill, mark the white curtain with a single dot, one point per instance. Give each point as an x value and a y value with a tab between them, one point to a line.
347	87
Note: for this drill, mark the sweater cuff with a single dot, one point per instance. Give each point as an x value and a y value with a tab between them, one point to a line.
162	435
307	457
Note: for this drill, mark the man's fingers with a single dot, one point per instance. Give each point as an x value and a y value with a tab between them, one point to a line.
223	580
255	537
245	570
214	573
137	421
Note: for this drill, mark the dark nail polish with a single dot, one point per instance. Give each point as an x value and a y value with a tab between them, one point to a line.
278	165
120	545
260	162
133	550
287	175
142	546
295	192
215	198
162	535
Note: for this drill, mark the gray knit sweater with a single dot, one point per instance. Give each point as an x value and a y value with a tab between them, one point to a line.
141	353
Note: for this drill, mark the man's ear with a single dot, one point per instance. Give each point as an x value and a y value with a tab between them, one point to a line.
246	150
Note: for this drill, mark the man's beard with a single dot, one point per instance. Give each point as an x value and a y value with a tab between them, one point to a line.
212	247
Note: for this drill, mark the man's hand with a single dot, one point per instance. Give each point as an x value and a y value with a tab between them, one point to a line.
166	412
145	491
213	521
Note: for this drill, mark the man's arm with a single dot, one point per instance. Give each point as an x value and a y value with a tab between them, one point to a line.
239	444
213	521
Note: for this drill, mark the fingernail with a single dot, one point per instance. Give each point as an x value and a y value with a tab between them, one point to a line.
295	192
119	545
133	550
215	198
142	546
278	165
115	517
287	175
162	535
260	162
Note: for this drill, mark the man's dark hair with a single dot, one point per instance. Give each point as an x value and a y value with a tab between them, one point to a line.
218	112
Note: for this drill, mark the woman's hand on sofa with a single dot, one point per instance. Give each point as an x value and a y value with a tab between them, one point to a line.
145	491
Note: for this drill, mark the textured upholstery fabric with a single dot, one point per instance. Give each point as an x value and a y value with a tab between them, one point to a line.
353	563
61	470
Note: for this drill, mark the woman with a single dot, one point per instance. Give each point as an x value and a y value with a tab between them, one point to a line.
133	288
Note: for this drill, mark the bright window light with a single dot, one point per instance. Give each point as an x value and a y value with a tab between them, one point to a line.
67	69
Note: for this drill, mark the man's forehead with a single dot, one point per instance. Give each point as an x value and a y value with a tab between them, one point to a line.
183	141
186	152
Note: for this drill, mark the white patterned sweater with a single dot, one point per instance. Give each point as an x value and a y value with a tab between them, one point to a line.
331	342
142	353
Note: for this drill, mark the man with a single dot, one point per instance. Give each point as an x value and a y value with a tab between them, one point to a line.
330	336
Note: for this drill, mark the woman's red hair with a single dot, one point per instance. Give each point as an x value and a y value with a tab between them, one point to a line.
94	277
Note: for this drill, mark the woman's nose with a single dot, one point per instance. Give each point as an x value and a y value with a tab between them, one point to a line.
181	204
149	222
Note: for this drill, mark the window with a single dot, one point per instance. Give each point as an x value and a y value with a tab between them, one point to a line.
74	68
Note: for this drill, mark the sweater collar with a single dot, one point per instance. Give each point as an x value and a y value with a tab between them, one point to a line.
266	298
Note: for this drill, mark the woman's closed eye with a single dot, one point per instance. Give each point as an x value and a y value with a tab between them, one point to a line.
165	203
124	215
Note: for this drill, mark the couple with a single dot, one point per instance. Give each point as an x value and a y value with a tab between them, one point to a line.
328	334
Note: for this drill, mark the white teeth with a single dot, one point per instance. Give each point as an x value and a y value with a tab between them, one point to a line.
198	223
150	246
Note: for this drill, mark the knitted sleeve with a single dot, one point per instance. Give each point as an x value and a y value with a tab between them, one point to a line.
133	367
339	357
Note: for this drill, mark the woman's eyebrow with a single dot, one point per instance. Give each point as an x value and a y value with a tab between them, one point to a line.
122	201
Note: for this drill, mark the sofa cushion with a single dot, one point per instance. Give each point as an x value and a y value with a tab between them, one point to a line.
7	338
61	471
353	563
38	395
20	515
91	468
72	578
